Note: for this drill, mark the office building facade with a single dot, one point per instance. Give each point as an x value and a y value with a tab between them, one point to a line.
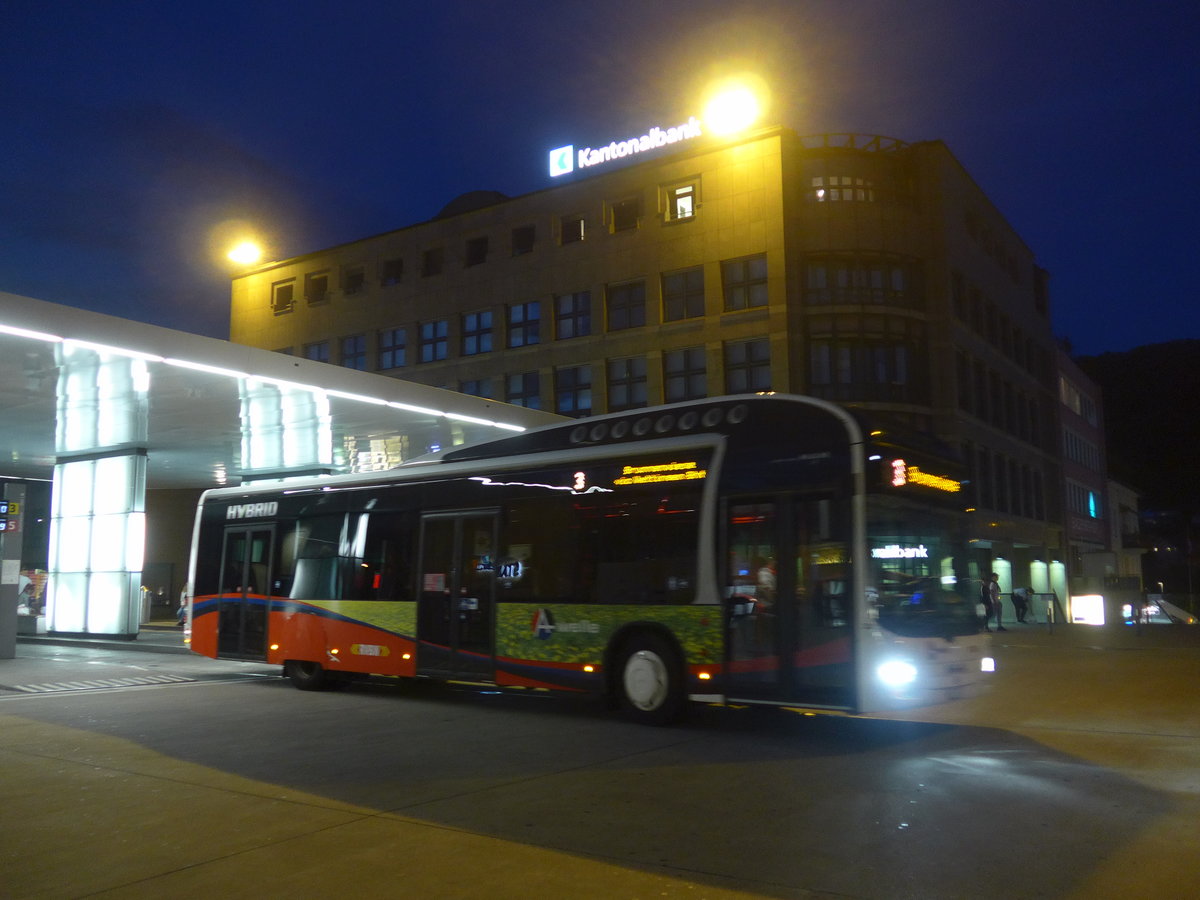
861	269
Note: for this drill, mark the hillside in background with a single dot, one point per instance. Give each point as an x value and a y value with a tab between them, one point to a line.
1152	418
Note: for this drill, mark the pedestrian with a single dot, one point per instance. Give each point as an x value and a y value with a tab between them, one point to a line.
1020	600
993	590
985	604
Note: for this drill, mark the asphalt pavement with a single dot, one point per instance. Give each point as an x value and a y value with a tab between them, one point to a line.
85	814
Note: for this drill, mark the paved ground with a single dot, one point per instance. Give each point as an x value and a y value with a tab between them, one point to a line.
89	814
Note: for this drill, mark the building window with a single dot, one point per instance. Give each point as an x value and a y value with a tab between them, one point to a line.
477	333
477	250
287	351
685	375
354	352
573	315
870	358
842	188
572	229
747	366
860	281
479	387
316	287
681	201
573	391
523	390
391	344
626	383
626	305
625	214
524	323
391	272
434	340
318	351
522	240
282	295
683	294
354	280
745	282
431	262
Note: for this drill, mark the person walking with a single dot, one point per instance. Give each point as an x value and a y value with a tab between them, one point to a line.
994	593
1020	599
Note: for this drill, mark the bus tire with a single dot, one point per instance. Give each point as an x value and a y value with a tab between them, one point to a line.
305	675
650	681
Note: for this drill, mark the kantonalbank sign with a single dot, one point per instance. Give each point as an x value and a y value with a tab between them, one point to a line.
568	159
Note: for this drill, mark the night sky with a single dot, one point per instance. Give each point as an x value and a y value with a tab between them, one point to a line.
130	131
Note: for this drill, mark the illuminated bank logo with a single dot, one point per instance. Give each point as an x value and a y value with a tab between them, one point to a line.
566	159
562	160
543	624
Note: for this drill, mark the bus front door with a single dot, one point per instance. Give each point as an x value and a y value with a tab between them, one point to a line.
789	635
455	612
245	591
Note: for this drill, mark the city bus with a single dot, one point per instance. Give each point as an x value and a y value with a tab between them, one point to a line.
776	550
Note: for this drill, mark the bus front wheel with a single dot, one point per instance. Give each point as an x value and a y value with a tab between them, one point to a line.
307	676
651	686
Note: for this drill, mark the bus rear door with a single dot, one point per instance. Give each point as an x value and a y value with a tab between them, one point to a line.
243	601
790	635
455	612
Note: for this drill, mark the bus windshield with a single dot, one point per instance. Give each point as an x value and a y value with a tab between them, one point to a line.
918	584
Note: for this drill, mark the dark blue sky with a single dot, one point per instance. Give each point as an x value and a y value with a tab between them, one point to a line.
130	130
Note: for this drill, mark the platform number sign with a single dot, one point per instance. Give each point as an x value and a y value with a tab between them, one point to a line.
10	515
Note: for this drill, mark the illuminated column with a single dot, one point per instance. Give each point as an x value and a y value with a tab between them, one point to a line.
98	504
286	430
1039	577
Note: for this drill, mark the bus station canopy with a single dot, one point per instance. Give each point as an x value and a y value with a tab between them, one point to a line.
206	412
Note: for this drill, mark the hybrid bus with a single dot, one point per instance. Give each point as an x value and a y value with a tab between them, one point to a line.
748	549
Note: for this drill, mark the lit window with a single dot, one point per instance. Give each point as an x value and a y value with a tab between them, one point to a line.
477	333
524	324
434	340
478	387
681	202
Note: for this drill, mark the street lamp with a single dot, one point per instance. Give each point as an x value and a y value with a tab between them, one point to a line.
245	253
734	104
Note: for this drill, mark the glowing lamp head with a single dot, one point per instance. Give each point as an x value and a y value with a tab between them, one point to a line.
733	107
245	253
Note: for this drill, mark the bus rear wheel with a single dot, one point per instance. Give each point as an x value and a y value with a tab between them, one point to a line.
307	676
651	684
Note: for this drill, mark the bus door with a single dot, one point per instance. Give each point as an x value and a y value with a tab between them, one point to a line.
245	588
455	612
788	610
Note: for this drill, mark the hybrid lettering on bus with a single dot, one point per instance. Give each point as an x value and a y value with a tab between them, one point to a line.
745	549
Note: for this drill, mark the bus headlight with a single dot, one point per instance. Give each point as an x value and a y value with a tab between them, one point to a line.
896	673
